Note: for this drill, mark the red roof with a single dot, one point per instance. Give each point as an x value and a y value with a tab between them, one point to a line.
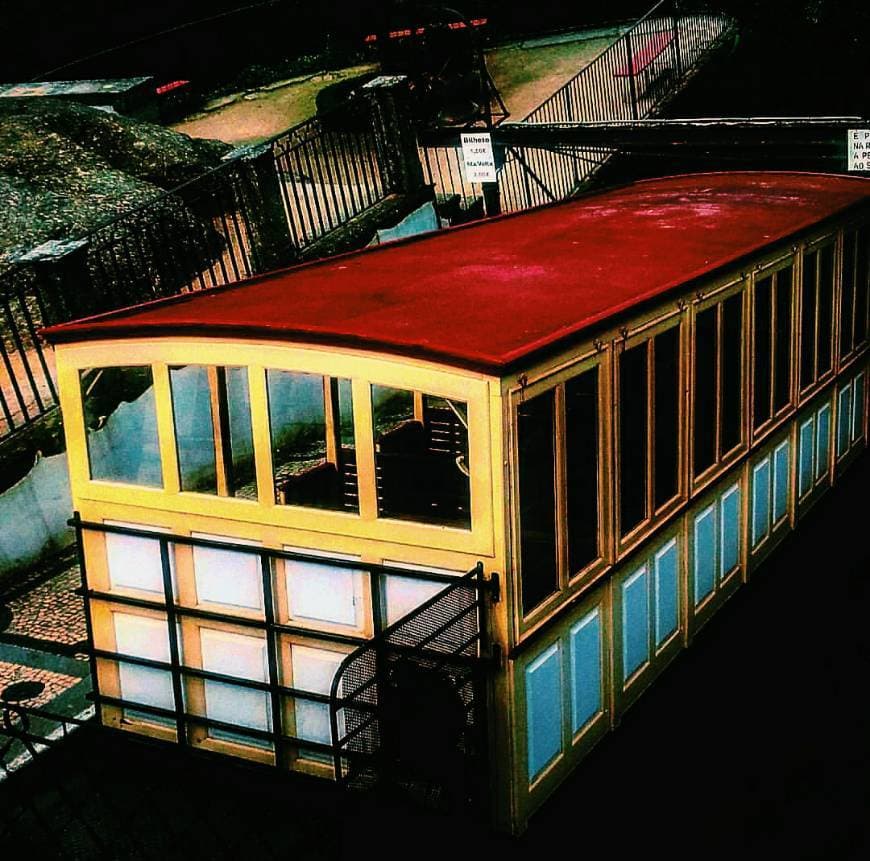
487	296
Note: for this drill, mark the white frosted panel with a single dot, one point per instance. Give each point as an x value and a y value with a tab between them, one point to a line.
134	562
146	685
404	594
234	705
141	636
228	576
234	654
323	592
314	670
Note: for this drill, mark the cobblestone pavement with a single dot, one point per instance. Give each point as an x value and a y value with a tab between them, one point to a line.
51	611
55	683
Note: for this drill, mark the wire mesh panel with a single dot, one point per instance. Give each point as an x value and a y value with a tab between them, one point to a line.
27	387
405	707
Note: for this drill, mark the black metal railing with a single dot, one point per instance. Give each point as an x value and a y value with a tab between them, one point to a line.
633	78
282	695
17	725
253	213
407	707
27	387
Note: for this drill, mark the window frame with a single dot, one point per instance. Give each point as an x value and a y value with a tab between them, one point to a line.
816	246
855	226
761	271
723	461
646	333
568	583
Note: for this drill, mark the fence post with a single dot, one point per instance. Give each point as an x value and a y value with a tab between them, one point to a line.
395	133
264	212
632	84
63	279
675	11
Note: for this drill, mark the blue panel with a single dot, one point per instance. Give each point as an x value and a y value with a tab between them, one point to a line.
857	407
705	553
729	515
760	501
635	622
585	639
805	457
667	591
544	709
844	419
823	440
780	480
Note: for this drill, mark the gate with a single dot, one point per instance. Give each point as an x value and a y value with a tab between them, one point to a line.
407	708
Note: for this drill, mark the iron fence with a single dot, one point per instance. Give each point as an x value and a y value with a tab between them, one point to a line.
631	79
254	213
27	388
329	173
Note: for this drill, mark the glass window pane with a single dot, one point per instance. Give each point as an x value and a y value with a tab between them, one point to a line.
826	307
313	454
581	453
704	422
194	428
421	457
861	286
633	385
667	415
227	576
783	342
762	363
808	319
847	296
732	373
121	425
322	592
537	489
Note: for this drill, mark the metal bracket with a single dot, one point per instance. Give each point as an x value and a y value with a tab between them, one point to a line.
494	587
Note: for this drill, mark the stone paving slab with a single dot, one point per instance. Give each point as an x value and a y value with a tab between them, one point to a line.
51	611
55	683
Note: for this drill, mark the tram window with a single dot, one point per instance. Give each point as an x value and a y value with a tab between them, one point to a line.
537	491
762	364
847	294
826	308
121	425
808	319
732	372
718	386
212	415
705	417
313	453
666	380
861	286
421	457
633	443
581	451
782	340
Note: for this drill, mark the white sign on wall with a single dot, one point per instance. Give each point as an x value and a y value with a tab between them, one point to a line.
858	149
477	157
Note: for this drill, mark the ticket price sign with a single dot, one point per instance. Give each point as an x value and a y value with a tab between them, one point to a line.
477	157
858	149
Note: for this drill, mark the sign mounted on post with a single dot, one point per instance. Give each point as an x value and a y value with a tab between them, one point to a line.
477	157
858	149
